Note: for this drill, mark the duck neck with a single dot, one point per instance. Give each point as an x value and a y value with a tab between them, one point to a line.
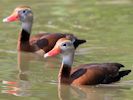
24	35
26	30
65	70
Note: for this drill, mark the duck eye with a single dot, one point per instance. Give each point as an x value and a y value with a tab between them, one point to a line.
24	11
64	44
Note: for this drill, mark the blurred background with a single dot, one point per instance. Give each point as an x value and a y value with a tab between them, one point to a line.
107	25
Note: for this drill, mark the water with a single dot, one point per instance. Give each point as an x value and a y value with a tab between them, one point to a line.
105	24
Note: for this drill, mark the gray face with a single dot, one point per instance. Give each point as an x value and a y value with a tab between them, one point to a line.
25	15
67	47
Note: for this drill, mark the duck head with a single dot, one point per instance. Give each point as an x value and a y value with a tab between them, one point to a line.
63	46
21	13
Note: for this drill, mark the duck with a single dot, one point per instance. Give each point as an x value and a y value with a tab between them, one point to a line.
39	42
84	74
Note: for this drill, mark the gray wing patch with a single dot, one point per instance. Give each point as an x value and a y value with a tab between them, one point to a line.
78	73
42	43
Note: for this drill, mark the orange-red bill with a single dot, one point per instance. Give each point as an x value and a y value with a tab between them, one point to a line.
9	82
53	52
11	18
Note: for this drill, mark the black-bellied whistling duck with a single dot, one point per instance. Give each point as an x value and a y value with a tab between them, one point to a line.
26	43
86	74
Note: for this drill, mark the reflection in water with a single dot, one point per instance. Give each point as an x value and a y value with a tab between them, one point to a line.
21	86
66	92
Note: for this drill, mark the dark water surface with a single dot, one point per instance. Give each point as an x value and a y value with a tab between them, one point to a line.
107	25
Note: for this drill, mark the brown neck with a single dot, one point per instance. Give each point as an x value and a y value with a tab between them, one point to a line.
26	30
24	36
23	40
65	70
64	74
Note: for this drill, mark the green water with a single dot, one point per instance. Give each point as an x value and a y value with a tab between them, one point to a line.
107	25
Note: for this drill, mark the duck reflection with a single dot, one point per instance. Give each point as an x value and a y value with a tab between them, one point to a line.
17	88
103	92
21	86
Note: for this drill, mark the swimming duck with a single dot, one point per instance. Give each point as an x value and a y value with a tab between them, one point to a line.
44	41
85	74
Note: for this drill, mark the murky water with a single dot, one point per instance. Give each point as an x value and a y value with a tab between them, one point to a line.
107	25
